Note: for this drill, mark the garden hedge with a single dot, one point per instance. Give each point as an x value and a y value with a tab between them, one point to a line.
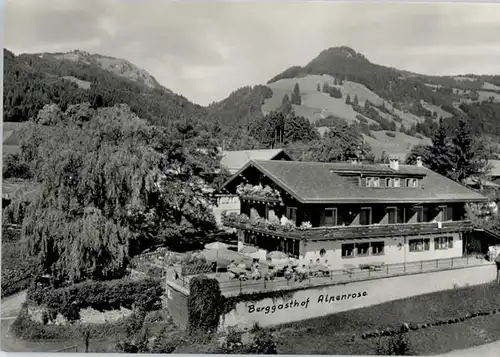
144	295
25	328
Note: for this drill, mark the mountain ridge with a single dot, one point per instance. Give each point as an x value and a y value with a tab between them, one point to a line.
339	83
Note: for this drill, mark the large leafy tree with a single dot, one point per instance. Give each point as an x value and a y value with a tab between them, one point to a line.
298	128
270	130
278	129
340	143
111	186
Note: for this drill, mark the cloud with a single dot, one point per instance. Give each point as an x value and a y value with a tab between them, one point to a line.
206	50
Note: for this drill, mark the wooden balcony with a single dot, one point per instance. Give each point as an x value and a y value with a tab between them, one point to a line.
274	201
353	232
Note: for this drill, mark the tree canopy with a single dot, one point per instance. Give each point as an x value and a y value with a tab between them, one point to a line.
457	157
112	185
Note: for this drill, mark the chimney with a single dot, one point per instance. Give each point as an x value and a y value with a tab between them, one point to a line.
419	161
394	163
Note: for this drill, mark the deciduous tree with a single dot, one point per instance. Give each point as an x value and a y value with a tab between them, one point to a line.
111	186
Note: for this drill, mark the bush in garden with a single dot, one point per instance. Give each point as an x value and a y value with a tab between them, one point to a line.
262	343
396	345
25	328
144	295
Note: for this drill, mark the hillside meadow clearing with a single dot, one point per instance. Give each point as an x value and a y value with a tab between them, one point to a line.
399	145
316	104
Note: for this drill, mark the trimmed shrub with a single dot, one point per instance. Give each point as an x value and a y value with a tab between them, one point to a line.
145	295
25	328
390	134
394	346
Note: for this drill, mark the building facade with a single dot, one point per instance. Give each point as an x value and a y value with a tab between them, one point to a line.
350	214
233	161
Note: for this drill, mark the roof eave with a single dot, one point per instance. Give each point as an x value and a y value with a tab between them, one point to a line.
391	200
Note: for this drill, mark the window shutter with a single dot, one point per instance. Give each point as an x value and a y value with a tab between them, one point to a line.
449	213
322	218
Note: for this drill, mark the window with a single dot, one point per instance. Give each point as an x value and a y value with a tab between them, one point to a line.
446	213
292	247
330	217
365	216
411	182
443	243
372	182
377	248
362	249
392	214
419	245
250	239
291	214
392	182
347	250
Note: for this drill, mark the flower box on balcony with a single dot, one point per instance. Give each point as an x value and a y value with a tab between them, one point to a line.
349	232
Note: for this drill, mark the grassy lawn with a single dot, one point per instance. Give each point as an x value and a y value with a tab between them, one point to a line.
333	334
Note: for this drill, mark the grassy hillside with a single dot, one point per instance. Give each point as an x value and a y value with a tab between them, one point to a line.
399	145
409	101
317	105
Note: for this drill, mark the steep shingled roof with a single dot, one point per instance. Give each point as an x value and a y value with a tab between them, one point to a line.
235	160
312	182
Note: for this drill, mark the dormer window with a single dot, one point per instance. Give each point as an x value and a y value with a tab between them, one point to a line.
411	182
392	182
372	182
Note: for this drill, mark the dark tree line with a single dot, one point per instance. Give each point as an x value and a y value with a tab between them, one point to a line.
455	152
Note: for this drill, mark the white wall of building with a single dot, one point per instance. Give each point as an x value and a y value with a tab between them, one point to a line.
396	250
226	203
325	300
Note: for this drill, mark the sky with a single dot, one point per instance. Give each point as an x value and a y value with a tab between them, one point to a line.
206	50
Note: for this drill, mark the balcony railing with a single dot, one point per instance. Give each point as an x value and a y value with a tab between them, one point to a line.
261	199
343	276
347	232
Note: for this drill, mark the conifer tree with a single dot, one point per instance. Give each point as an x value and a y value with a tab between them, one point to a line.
296	95
348	99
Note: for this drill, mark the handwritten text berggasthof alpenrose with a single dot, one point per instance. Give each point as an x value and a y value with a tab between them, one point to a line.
271	309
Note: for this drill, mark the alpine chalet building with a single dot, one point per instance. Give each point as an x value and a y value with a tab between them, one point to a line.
350	214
